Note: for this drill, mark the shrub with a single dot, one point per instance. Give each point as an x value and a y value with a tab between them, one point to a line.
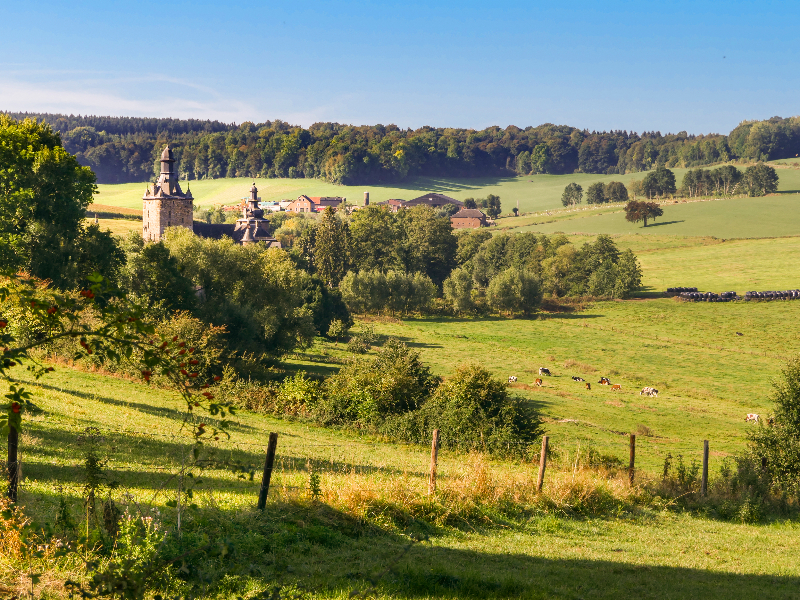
297	395
514	290
779	446
365	392
473	411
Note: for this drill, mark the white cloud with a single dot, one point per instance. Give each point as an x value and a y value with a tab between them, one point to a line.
119	96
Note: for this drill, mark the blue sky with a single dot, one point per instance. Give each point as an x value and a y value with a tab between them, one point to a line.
669	66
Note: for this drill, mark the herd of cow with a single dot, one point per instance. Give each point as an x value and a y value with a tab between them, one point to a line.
646	391
538	382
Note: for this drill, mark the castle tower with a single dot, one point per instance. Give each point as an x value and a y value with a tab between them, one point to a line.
166	206
252	227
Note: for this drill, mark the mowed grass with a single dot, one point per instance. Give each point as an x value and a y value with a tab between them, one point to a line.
653	554
771	216
710	263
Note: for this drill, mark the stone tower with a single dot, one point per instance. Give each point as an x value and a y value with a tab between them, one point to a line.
252	227
167	205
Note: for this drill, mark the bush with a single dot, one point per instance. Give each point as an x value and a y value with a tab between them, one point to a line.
365	392
514	290
779	446
297	396
473	411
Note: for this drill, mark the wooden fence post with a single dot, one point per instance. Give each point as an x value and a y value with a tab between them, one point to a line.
704	482
542	464
271	446
434	459
632	465
12	463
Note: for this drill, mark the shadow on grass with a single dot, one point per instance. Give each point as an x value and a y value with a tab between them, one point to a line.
655	224
154	411
334	554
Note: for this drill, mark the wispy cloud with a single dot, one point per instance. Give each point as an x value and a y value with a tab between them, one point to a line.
121	95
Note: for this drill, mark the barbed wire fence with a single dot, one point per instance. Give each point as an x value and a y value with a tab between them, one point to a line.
564	450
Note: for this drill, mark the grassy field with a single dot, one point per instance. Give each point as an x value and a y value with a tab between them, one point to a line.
708	376
652	553
534	192
771	216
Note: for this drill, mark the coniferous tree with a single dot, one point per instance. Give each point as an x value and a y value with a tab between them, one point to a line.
332	248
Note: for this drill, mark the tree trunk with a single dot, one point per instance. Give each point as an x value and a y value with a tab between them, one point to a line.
645	220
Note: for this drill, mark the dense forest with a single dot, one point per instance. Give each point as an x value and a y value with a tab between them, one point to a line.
126	149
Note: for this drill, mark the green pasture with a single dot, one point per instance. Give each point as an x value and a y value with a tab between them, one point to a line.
708	379
771	216
710	263
708	376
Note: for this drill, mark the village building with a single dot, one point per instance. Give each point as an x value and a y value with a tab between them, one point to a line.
469	218
167	206
311	204
433	199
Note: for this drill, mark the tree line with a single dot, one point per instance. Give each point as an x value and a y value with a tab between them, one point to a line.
126	149
271	301
757	180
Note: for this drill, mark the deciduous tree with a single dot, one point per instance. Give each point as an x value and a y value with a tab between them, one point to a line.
572	195
636	211
596	193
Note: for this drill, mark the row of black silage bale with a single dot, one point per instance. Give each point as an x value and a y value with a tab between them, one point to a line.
680	290
709	296
773	295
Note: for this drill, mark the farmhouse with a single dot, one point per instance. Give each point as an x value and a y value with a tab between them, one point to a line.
310	204
469	218
433	199
167	206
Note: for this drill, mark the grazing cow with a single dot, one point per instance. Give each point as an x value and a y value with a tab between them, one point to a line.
544	371
649	391
588	386
751	417
577	378
616	386
604	381
537	382
737	333
512	379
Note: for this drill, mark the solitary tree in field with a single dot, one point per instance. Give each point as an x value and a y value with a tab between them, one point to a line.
572	195
636	211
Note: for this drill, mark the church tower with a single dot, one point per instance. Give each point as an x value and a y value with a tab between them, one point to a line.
166	206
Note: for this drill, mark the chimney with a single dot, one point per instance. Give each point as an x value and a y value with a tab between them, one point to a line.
366	198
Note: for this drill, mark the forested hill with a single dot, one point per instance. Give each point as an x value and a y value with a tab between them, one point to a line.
126	149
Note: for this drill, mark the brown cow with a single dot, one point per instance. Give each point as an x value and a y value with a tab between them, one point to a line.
537	382
616	386
604	381
588	385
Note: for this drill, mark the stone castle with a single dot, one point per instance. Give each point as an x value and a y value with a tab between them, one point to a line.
168	206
